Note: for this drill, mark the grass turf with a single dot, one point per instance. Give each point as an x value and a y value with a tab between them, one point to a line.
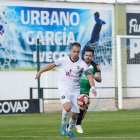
116	125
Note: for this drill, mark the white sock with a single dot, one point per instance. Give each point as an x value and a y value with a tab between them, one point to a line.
72	123
65	115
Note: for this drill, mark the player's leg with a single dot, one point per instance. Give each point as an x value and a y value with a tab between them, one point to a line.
64	97
65	114
71	125
78	126
74	113
81	116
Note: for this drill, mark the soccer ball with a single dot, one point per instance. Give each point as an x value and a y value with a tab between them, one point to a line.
83	101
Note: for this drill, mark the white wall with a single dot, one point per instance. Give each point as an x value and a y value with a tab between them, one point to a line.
15	85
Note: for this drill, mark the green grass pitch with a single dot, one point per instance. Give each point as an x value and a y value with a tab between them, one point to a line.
115	125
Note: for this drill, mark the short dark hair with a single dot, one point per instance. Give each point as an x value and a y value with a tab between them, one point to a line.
89	50
97	14
75	44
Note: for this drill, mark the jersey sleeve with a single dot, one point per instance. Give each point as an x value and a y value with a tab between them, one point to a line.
58	62
86	69
85	66
96	67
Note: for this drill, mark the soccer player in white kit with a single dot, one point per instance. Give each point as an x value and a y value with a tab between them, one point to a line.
70	68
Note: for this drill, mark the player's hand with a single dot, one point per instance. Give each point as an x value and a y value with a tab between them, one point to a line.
93	90
38	74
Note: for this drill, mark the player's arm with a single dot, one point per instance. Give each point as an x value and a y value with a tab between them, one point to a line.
91	81
97	77
47	68
97	74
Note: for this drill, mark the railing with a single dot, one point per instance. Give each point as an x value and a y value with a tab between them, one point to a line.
41	91
41	95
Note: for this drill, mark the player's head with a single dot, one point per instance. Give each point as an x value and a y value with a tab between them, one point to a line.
96	16
75	50
88	55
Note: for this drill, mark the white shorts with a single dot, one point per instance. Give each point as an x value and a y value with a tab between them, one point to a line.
67	95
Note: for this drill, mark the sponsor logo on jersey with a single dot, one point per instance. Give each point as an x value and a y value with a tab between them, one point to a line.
68	73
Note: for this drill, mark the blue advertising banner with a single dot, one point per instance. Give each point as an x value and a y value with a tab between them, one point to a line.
56	29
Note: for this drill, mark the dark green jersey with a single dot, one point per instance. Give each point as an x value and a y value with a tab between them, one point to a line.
84	82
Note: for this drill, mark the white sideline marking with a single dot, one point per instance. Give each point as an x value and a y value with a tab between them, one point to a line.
58	137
